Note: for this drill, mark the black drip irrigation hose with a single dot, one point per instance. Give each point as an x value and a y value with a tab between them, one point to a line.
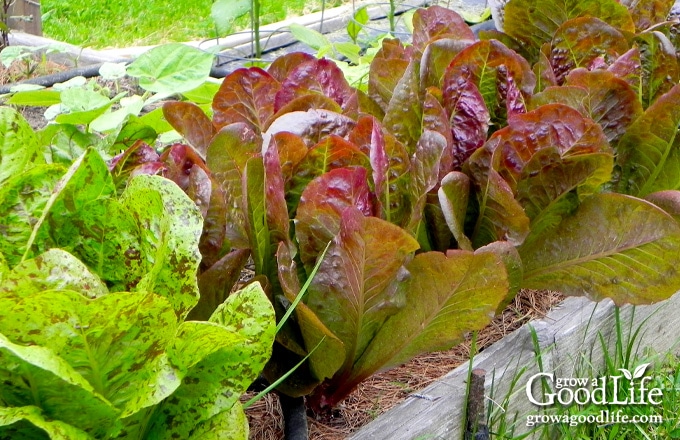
295	417
88	72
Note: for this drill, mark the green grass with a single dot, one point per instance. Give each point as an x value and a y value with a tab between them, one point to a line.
118	23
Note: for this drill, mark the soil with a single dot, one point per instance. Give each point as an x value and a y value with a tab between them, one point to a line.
386	390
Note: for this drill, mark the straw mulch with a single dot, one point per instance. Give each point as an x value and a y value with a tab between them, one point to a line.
386	390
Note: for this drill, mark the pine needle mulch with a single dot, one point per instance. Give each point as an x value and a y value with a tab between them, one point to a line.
386	390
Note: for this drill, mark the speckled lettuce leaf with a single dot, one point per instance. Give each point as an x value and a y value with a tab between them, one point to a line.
355	288
56	269
116	343
240	336
65	395
83	217
613	246
534	22
649	151
29	423
231	424
170	225
19	147
22	202
445	297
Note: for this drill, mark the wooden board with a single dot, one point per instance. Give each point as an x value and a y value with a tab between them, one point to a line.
566	336
24	15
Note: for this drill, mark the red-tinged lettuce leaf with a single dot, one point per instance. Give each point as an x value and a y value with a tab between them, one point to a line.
611	101
660	71
647	13
291	149
403	115
551	186
628	67
488	65
424	175
545	75
331	153
315	77
578	42
312	126
614	246
387	68
321	206
215	283
434	232
437	22
436	119
668	200
599	95
649	152
454	194
499	216
330	354
446	297
275	198
437	57
534	22
308	102
179	161
356	287
140	158
191	122
246	95
393	202
281	67
468	116
215	226
553	125
226	158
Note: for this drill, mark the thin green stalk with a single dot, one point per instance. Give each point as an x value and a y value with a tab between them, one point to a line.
255	21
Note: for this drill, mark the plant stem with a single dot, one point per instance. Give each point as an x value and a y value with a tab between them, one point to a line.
393	12
255	19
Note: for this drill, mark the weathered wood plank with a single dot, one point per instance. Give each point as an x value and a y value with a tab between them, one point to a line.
566	336
25	16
